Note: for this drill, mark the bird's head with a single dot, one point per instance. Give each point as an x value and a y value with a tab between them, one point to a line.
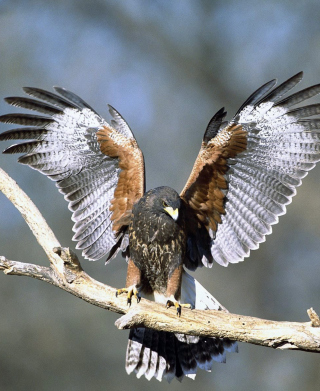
164	200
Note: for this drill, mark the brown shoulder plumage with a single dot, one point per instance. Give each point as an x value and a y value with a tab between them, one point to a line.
130	186
204	190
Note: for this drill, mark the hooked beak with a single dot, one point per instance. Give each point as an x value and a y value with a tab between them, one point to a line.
174	213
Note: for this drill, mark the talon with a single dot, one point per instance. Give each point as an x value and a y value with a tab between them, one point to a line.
171	303
131	291
122	290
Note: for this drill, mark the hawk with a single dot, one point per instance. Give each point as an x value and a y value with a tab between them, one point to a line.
245	174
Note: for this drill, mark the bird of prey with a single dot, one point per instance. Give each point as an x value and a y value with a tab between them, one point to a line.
245	174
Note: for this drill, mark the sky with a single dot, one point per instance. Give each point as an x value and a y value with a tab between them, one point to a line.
167	67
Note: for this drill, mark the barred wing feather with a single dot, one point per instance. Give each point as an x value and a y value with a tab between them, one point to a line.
257	161
64	146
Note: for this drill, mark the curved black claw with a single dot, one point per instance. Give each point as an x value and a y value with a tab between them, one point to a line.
171	303
131	291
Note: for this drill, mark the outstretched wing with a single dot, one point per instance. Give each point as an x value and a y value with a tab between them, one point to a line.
98	167
247	171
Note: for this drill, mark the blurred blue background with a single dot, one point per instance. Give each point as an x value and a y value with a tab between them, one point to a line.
167	67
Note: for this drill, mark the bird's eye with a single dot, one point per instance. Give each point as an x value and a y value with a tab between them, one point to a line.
165	205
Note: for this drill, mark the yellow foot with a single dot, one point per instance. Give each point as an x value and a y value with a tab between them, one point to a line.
174	303
131	291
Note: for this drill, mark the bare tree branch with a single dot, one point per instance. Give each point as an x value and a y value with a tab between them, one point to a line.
33	218
66	273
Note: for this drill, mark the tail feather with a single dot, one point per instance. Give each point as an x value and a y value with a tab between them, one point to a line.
161	356
166	355
144	361
134	348
153	365
170	356
186	358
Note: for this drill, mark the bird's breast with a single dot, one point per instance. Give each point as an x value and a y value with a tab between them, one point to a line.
157	248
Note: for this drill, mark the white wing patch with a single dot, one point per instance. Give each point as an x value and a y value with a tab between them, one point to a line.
282	146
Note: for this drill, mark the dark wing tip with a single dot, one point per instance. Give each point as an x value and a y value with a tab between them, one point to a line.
214	125
25	147
72	97
111	108
299	75
25	119
32	104
119	123
276	93
257	95
22	133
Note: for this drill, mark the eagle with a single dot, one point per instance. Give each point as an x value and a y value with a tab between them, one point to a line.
245	174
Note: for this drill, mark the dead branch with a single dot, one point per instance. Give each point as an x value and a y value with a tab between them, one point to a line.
66	273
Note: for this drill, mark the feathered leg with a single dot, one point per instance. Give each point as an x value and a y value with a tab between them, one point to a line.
133	283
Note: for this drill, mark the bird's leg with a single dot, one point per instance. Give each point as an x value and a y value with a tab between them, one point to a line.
132	283
174	291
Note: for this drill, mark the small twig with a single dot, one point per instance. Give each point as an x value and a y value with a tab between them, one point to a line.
315	321
27	269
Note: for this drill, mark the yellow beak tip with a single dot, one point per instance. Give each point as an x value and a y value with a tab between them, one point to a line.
174	213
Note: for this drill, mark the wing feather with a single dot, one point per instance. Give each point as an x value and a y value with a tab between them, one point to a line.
32	104
92	163
260	158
